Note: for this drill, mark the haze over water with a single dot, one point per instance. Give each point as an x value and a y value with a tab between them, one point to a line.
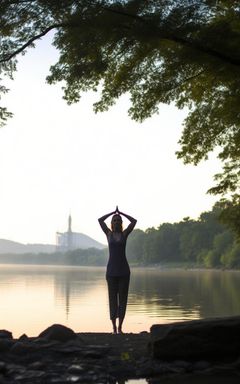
34	297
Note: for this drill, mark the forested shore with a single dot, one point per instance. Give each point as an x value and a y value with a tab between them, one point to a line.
204	242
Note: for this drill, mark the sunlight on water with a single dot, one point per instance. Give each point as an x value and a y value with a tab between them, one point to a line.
34	297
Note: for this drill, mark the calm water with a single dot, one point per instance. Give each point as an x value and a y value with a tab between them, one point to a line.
34	297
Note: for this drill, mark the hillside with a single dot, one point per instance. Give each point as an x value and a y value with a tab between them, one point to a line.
13	247
86	241
9	246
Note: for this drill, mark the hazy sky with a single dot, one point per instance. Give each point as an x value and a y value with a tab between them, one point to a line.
56	159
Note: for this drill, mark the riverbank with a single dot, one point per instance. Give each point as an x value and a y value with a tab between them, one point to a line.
59	355
156	266
181	266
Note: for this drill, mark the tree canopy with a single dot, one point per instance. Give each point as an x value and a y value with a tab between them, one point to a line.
203	242
185	52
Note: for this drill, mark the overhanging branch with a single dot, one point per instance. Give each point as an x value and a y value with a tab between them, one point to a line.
204	49
155	32
29	42
177	39
186	80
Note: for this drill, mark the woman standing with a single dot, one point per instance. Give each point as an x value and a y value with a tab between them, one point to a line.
118	271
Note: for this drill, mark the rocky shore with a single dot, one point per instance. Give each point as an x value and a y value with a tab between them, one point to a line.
187	352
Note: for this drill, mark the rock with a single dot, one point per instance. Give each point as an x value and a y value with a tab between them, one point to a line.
37	365
236	364
23	337
106	358
5	334
207	339
45	343
28	374
96	352
58	332
76	368
3	367
201	366
5	344
183	364
68	350
145	369
20	348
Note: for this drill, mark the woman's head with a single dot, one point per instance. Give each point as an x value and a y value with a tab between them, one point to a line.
116	223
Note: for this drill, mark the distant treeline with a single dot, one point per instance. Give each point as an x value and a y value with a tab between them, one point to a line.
204	242
90	256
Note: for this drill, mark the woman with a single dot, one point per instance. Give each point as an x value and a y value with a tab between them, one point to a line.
118	271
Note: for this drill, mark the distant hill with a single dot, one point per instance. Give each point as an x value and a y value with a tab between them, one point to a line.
8	246
85	241
11	247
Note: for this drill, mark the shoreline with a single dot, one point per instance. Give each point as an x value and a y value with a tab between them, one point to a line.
158	267
59	355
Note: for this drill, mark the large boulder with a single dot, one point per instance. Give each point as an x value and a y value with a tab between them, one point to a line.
212	339
58	332
5	334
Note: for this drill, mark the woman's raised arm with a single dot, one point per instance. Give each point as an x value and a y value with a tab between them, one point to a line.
102	223
132	224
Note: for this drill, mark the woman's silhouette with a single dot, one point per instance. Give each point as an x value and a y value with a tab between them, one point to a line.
118	271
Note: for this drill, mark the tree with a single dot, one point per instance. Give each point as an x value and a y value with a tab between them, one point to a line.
230	213
167	243
222	244
157	51
135	246
192	239
231	258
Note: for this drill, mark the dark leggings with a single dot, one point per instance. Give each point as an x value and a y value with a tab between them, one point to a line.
118	295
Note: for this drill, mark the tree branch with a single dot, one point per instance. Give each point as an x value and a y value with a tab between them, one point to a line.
187	79
162	35
29	42
198	47
189	43
122	13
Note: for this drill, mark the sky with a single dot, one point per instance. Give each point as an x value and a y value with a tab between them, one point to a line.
57	160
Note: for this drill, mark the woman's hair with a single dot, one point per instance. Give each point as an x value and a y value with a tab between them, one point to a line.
116	215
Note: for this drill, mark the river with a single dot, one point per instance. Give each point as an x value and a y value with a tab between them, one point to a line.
34	297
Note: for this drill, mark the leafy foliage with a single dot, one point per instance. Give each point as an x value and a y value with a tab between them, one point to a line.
230	213
157	51
204	242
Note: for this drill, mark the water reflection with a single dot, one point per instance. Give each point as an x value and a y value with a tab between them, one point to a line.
185	294
34	297
70	284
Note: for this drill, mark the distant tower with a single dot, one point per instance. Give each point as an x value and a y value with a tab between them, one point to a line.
69	233
69	223
71	240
